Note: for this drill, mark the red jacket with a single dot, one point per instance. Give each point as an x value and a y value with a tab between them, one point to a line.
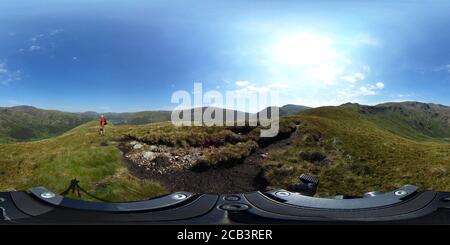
102	121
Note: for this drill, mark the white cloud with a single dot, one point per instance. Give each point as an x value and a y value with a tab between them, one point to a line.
363	90
248	87
3	70
359	76
279	85
34	48
242	83
253	89
355	77
351	94
252	93
56	31
327	73
37	37
75	58
350	79
379	85
7	76
445	68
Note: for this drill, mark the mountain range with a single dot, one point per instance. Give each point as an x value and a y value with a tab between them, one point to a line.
414	120
25	123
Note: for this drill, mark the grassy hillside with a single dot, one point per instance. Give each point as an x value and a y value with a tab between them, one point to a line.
75	154
25	123
410	119
290	109
351	148
285	110
353	153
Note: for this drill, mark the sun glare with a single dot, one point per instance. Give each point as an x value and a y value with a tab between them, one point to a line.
304	49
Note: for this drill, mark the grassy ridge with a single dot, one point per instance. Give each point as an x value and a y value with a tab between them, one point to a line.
26	123
361	155
414	120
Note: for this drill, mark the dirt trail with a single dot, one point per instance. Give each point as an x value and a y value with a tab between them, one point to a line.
244	177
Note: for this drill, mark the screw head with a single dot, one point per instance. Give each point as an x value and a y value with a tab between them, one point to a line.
282	193
400	193
179	196
48	195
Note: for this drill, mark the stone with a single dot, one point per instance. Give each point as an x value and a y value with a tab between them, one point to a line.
148	155
154	148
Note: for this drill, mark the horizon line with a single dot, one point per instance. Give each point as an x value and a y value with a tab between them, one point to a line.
168	110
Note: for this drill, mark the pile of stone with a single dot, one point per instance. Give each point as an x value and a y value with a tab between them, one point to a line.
162	159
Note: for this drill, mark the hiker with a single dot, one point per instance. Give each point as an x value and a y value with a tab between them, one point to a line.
102	125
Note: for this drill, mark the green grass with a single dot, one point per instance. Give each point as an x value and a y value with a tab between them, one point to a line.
228	154
363	155
363	152
25	123
76	154
167	134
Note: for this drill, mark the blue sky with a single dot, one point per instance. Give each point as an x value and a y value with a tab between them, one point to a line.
132	55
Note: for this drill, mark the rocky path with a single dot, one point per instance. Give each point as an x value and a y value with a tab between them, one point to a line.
244	177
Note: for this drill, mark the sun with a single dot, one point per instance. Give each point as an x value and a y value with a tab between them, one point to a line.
304	49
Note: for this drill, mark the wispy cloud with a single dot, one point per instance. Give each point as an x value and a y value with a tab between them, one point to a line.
37	37
257	95
442	68
7	76
34	48
355	77
55	32
251	88
244	87
351	94
37	41
242	83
